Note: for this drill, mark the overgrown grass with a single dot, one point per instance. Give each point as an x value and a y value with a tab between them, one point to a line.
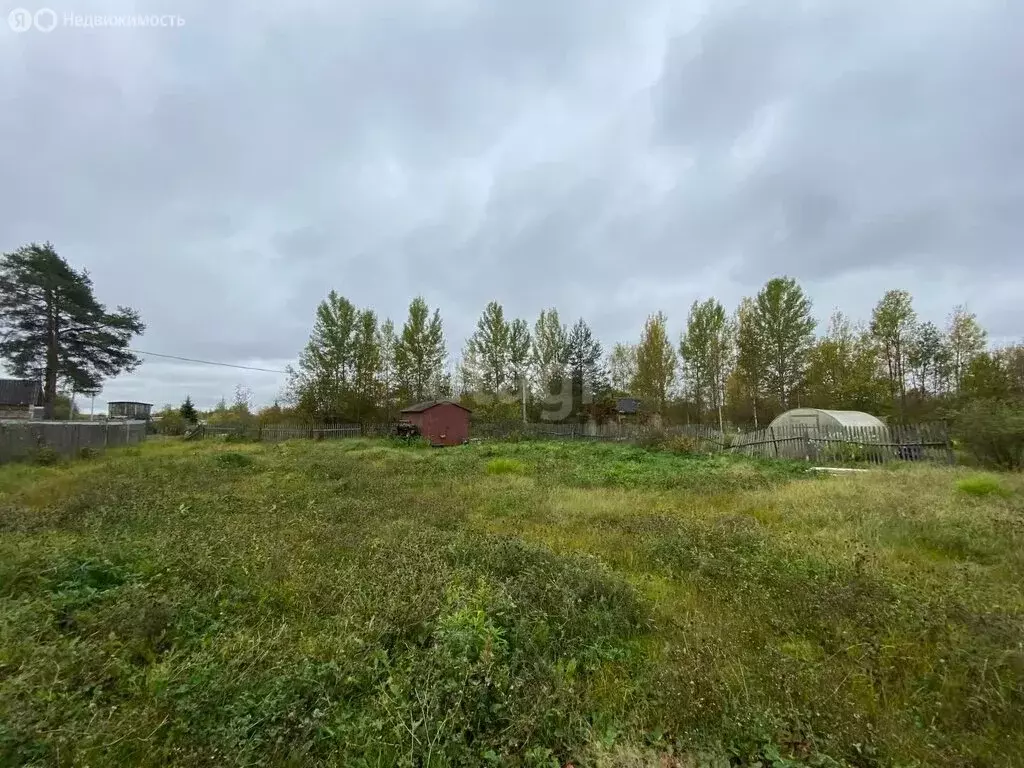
374	603
983	485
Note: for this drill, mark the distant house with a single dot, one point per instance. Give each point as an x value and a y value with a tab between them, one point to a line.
442	422
18	398
126	409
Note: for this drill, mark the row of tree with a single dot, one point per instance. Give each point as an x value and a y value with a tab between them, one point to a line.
742	366
356	368
763	358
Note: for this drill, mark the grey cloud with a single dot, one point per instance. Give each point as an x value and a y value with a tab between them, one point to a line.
607	158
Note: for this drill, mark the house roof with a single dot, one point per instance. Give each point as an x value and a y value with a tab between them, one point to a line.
627	405
426	405
24	392
128	402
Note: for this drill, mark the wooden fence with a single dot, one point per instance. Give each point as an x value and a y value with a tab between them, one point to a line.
279	432
926	442
874	445
23	439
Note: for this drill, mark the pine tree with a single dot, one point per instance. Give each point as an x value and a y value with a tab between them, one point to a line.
588	378
53	328
188	410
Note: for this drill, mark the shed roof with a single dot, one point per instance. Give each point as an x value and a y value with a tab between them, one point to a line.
838	418
426	405
24	392
128	402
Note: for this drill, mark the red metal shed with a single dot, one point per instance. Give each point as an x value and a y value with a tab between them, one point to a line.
442	422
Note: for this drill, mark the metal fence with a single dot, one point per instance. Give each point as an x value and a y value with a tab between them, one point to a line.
24	439
925	442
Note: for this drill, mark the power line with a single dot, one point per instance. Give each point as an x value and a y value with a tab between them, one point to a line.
206	362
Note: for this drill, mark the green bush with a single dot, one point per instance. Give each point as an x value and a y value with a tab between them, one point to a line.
45	456
87	452
235	460
983	485
992	432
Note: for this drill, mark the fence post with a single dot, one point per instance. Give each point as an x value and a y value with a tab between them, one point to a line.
775	445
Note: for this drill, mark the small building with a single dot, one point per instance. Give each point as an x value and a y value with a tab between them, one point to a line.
820	420
19	398
442	422
126	409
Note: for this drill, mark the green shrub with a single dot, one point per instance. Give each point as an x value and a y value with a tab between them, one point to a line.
235	460
503	466
983	485
87	452
992	432
45	456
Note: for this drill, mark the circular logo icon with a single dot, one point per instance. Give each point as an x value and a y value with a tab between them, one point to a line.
45	19
20	20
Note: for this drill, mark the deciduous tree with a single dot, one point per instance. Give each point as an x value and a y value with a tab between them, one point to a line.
965	339
892	324
784	326
420	351
655	364
622	367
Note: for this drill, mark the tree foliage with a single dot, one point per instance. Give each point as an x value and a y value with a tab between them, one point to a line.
622	368
53	328
419	353
783	327
707	352
893	324
187	411
655	364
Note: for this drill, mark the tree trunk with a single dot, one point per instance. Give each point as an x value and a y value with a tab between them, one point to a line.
50	383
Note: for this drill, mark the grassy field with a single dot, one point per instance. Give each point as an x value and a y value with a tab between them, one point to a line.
360	603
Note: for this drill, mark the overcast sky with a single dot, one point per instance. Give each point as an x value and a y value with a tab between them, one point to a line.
605	157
